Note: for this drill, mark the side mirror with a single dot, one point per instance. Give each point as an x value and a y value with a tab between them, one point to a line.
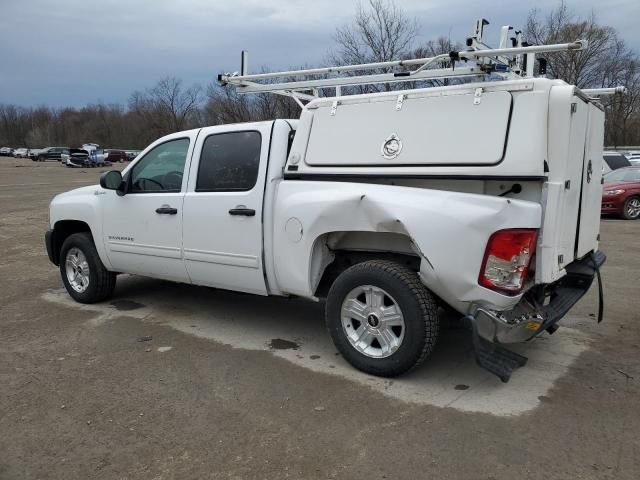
111	180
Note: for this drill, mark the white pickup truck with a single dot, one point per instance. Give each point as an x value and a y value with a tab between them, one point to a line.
480	197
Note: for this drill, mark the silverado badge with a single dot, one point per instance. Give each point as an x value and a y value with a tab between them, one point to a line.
391	147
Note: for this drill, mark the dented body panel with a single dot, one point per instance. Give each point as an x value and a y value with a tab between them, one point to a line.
450	247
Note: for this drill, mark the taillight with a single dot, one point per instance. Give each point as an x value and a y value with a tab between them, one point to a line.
507	259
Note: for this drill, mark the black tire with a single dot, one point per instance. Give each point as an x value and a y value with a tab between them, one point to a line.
101	281
418	307
626	214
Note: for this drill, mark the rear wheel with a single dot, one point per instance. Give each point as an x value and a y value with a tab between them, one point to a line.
83	274
381	318
631	209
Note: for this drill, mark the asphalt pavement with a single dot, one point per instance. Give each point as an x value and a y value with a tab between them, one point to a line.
169	381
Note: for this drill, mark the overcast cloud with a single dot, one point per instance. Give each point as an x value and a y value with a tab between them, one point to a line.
75	52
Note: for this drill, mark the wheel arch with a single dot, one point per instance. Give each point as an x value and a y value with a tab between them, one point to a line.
333	252
62	230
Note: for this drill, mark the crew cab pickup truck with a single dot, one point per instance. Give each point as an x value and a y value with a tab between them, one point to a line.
482	198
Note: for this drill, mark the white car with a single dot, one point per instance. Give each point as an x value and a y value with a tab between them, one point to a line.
634	158
20	153
481	197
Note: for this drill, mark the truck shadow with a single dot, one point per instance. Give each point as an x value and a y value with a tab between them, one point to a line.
293	329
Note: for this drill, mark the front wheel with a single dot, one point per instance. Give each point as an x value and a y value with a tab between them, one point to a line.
83	274
631	209
381	318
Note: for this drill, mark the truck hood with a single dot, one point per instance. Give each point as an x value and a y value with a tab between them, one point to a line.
76	192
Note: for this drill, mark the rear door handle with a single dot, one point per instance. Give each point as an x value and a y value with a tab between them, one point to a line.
166	210
247	212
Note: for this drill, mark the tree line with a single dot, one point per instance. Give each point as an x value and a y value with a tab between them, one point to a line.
380	31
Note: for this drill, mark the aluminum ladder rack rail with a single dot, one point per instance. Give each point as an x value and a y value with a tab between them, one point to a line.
500	61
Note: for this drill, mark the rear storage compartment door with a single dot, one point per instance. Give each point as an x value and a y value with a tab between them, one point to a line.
571	192
591	198
434	130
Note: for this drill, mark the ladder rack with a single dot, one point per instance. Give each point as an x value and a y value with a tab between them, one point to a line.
514	62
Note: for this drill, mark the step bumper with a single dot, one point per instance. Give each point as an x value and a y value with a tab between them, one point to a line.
510	327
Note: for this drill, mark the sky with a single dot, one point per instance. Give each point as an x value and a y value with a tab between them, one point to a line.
79	52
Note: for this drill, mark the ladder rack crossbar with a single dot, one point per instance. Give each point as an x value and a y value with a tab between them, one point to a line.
468	55
599	92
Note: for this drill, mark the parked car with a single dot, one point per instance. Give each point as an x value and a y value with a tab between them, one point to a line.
76	157
621	193
131	154
6	151
613	161
33	153
51	153
114	156
634	158
20	153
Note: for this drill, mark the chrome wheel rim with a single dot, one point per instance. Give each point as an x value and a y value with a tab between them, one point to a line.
633	208
372	321
77	270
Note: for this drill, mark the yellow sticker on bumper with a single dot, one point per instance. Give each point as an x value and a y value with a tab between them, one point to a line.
533	325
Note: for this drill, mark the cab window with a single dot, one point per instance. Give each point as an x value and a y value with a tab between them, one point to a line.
161	169
229	162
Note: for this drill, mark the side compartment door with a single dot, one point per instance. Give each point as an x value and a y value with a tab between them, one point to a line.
571	192
142	229
591	200
222	229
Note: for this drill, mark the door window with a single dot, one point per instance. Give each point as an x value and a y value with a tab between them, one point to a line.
229	162
161	169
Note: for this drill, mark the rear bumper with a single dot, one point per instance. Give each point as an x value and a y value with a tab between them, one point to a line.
521	325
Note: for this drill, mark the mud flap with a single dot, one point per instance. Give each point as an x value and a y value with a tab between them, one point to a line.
596	265
494	358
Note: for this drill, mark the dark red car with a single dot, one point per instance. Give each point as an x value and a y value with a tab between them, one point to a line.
621	193
116	156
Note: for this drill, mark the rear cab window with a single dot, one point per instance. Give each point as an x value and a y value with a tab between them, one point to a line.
229	162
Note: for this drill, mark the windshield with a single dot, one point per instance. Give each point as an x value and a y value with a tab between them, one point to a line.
623	175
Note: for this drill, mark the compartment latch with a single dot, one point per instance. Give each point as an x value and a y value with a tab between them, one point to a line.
477	96
334	108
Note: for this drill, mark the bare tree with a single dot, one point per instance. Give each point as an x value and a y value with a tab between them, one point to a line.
606	62
380	32
166	107
226	105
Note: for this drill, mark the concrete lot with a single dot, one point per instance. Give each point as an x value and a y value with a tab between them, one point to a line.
210	396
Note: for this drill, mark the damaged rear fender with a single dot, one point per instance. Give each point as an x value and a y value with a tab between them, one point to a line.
449	231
